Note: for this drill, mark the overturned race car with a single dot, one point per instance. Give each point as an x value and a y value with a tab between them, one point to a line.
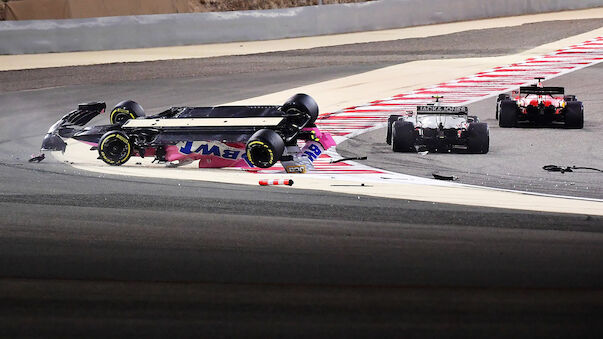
221	136
539	105
439	128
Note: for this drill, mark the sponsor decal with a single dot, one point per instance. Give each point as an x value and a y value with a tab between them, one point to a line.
444	109
214	148
312	151
295	169
121	110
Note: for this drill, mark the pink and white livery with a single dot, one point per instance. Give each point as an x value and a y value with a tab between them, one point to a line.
223	136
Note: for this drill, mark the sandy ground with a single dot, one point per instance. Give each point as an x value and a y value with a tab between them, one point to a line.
362	56
16	62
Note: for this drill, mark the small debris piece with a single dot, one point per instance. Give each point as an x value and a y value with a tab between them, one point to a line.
348	158
37	157
444	177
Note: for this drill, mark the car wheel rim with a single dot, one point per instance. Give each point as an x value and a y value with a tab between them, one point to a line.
116	150
260	156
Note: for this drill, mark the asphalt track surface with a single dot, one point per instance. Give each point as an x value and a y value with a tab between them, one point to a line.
94	255
516	155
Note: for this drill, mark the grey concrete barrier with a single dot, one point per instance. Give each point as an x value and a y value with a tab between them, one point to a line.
41	36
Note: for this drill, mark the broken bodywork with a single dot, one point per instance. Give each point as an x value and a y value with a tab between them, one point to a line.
222	136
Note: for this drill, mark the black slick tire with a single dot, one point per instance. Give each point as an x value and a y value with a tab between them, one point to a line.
403	136
574	114
265	148
304	103
508	114
500	98
115	148
390	122
569	97
125	111
478	139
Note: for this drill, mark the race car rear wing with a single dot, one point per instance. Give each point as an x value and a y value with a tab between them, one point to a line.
432	109
541	90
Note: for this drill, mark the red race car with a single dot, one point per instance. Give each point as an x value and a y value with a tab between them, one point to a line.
539	105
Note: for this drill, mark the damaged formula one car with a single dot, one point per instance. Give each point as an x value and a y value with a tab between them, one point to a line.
222	136
438	128
539	105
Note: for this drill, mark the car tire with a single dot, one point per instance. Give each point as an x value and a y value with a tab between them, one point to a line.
508	114
500	98
403	136
574	114
264	148
503	96
115	148
125	111
390	122
304	103
569	97
478	139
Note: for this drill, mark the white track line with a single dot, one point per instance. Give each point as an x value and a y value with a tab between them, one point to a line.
357	120
360	119
466	90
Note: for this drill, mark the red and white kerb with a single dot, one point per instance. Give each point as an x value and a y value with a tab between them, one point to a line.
463	91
